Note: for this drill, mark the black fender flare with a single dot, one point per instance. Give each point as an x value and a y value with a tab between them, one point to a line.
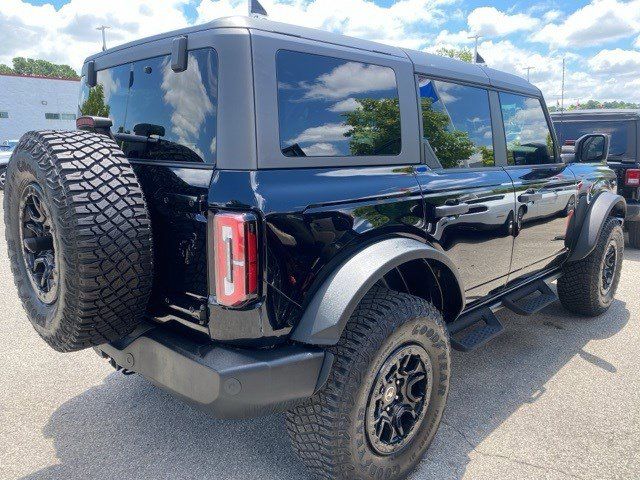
596	213
331	306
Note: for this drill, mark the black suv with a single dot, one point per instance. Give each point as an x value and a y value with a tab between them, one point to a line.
259	217
623	129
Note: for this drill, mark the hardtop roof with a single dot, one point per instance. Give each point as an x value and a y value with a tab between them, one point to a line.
424	62
598	114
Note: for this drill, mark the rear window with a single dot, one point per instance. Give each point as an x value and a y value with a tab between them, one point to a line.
158	114
618	131
331	107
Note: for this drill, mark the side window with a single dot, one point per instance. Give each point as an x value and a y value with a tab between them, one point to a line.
529	140
457	124
172	116
329	107
109	97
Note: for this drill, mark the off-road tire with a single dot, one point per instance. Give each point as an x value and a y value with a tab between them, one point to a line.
634	234
580	286
329	431
101	231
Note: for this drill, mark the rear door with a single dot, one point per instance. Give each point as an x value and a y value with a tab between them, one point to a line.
469	199
545	189
166	124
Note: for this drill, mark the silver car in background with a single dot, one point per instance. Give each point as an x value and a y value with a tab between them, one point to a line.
6	148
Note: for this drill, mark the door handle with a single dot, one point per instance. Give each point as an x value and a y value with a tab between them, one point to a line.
530	197
452	210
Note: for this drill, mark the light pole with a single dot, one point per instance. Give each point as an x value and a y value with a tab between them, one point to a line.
104	38
475	50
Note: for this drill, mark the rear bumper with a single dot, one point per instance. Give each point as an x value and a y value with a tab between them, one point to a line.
223	381
633	212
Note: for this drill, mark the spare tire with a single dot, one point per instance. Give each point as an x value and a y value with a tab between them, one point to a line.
79	238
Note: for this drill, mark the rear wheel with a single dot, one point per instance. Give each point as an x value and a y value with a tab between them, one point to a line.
588	286
634	234
3	176
385	396
79	238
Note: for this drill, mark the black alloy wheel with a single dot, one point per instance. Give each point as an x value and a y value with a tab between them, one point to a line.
38	251
399	399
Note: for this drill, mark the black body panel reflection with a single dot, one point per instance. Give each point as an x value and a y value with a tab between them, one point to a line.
480	239
545	196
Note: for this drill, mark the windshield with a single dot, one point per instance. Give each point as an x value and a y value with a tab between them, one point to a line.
618	131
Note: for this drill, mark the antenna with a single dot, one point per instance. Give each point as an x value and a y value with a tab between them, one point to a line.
104	38
528	69
475	51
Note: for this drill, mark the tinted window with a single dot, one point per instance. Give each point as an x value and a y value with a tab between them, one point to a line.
618	131
109	97
457	123
529	140
330	107
159	114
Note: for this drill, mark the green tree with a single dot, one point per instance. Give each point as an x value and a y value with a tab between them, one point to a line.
39	68
94	105
488	157
463	54
375	128
450	145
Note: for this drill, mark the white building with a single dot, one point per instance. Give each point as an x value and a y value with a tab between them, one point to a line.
36	103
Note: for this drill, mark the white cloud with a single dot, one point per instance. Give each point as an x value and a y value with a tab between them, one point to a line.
321	150
598	22
330	132
189	99
343	106
491	22
68	35
349	79
395	24
616	62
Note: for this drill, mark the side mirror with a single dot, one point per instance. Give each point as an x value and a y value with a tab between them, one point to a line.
593	148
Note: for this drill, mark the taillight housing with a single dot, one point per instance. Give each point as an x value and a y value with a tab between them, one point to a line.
235	246
632	177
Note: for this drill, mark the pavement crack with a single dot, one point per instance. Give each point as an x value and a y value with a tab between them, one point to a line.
474	448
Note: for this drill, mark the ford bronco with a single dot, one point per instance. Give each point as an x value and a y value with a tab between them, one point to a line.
265	218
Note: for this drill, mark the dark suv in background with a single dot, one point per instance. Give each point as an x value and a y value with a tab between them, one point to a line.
623	128
260	217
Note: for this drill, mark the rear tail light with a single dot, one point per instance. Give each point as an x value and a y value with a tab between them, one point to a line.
632	178
235	243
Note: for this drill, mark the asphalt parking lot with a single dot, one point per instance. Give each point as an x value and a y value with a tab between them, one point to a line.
555	397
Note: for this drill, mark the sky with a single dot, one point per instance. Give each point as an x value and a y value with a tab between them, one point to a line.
600	39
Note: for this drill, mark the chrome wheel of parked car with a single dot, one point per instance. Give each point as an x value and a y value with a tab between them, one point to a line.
3	177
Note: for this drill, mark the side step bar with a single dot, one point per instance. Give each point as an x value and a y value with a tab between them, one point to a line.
476	328
530	299
481	326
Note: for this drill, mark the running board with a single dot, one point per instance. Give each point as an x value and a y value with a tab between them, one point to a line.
530	299
478	328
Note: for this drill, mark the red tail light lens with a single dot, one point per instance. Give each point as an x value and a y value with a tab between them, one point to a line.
236	258
632	178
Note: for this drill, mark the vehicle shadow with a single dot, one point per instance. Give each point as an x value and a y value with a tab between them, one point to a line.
127	428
